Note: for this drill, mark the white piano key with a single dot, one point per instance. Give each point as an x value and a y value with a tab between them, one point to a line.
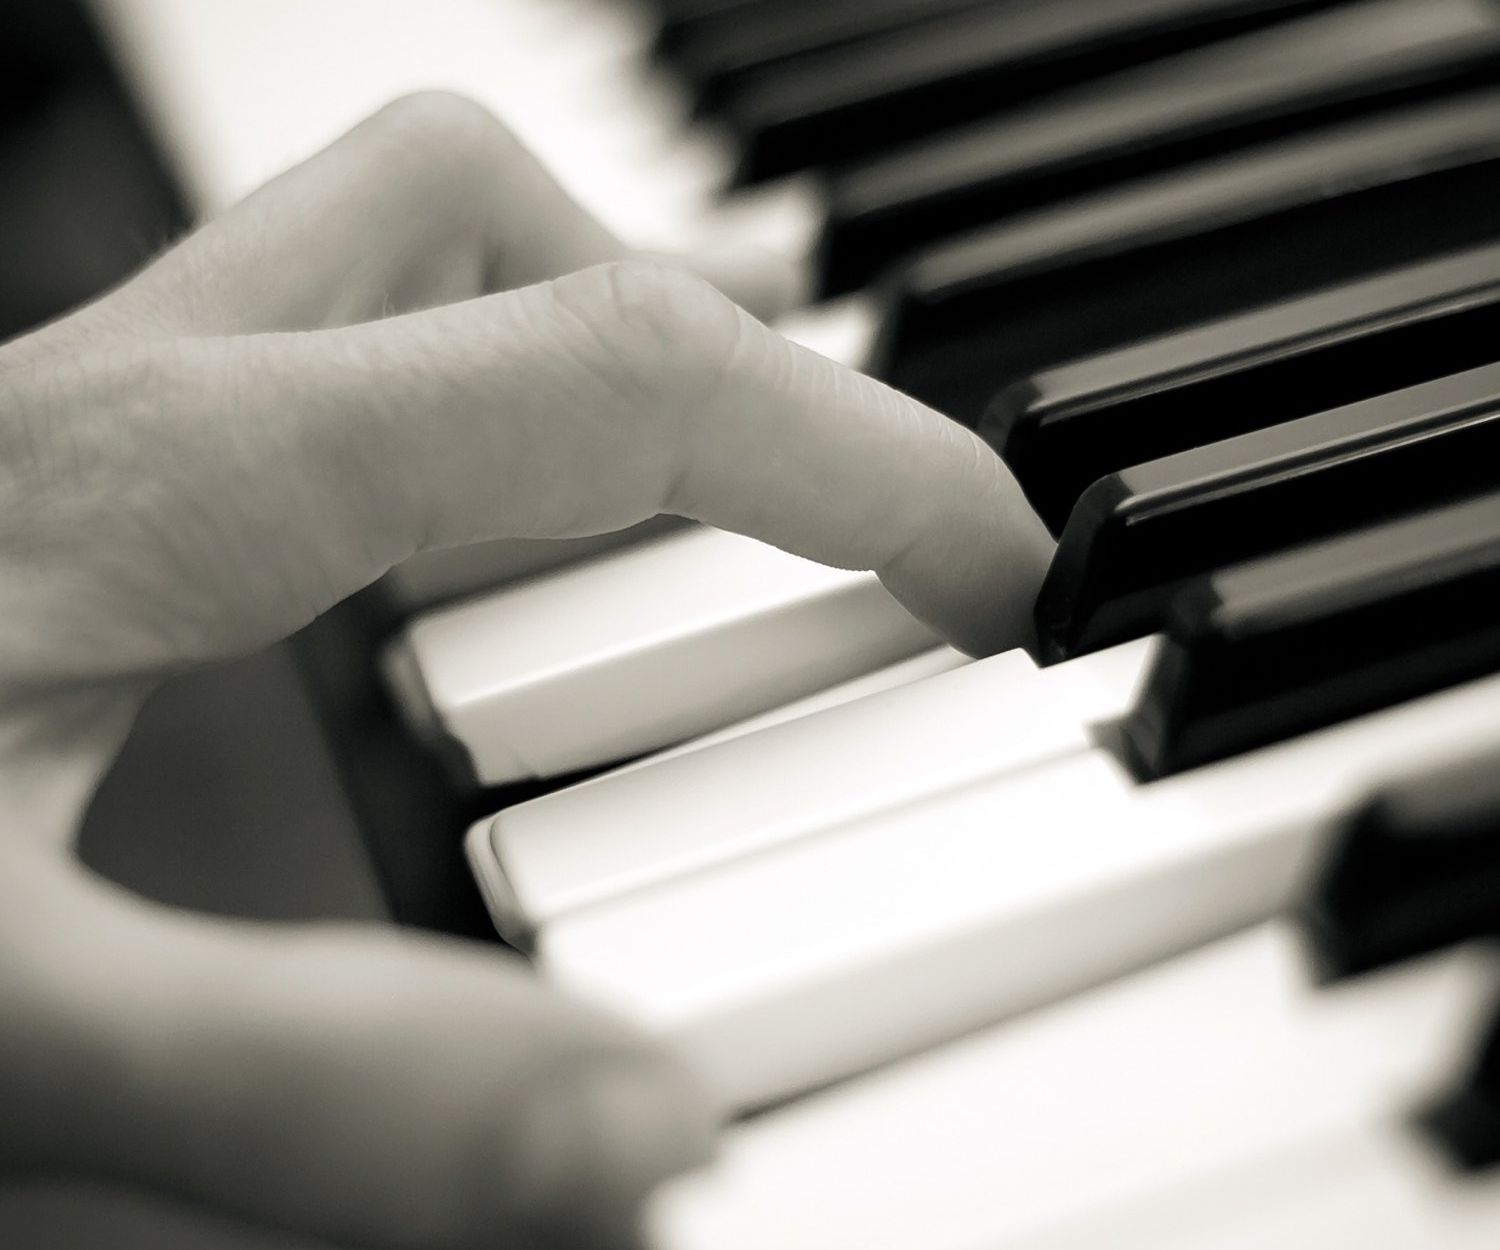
237	90
1218	1056
843	330
516	921
899	930
639	650
449	573
920	667
1371	1185
689	810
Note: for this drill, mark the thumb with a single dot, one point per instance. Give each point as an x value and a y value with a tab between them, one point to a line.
364	1088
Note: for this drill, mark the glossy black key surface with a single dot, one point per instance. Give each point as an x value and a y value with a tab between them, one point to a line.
850	102
682	20
1270	223
1277	647
1064	429
1412	869
1138	535
1465	1121
1186	107
719	57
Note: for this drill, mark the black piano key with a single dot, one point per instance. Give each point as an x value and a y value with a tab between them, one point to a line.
1278	647
1465	1122
1117	268
1138	535
854	101
1197	104
720	57
1065	428
682	20
1412	869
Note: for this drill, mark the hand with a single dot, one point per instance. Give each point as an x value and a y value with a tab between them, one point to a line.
341	371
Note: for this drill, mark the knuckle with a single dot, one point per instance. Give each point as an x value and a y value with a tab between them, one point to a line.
443	131
669	342
658	320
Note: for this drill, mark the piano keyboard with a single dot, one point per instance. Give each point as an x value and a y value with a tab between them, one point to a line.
1227	1096
1306	159
1032	951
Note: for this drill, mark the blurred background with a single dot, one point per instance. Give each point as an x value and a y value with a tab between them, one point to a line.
83	197
226	798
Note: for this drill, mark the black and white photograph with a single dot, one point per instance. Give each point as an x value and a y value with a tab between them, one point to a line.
749	624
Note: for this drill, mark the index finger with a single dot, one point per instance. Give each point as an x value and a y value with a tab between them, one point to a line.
833	465
619	392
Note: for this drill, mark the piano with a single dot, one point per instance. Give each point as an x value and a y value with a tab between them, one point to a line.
1173	930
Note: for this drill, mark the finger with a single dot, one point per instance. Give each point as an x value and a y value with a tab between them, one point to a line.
260	480
40	1212
588	403
430	200
352	1087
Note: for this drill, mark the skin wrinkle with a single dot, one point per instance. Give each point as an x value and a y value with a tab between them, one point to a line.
248	397
144	487
655	325
704	430
358	491
449	371
699	424
602	344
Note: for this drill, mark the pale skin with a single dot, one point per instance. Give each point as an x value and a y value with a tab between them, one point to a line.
412	340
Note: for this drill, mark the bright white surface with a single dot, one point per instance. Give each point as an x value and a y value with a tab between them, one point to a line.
900	930
689	810
645	648
1369	1184
448	573
1215	1056
920	667
237	90
515	922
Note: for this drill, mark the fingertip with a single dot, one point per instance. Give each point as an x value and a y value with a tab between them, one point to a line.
975	570
653	1116
600	1147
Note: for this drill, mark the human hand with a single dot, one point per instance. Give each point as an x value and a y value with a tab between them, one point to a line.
337	373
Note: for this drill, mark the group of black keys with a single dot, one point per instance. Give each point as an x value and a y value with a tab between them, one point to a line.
1220	280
